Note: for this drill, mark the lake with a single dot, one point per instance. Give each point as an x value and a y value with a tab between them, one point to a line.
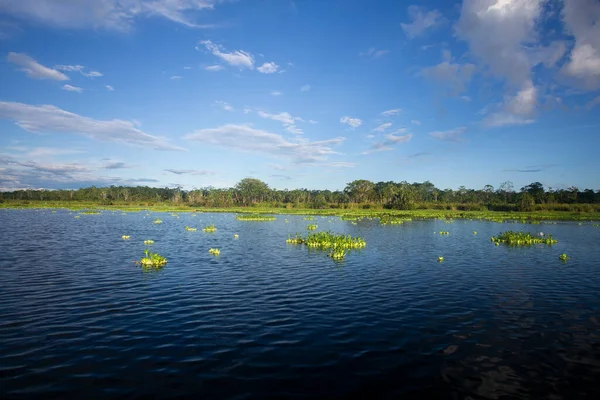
265	319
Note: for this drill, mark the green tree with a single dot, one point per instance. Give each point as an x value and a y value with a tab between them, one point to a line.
252	190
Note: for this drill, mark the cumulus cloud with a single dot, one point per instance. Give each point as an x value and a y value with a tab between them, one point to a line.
516	109
70	88
420	21
450	75
389	113
453	135
248	139
48	118
353	122
268	68
294	129
236	58
33	69
118	15
582	20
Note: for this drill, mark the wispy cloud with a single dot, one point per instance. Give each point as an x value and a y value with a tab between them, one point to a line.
382	127
276	93
248	139
109	88
453	76
453	135
283	117
48	118
70	88
176	77
531	168
373	53
268	68
390	141
214	68
389	113
116	165
415	122
80	69
421	21
294	129
224	105
305	88
35	70
353	122
236	58
190	172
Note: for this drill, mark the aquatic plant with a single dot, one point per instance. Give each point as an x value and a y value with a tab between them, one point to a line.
214	252
392	220
125	237
152	260
444	233
209	228
157	221
294	240
235	236
564	257
148	242
474	232
522	239
309	218
255	217
338	254
89	212
190	229
311	227
78	216
440	259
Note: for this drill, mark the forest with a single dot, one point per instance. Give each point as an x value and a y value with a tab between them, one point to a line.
251	192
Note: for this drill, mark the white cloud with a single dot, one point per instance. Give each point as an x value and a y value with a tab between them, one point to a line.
70	88
283	117
353	122
47	118
389	113
305	88
515	110
237	58
188	68
246	138
453	76
190	172
118	15
224	105
276	93
421	21
80	69
176	77
51	152
33	69
373	53
295	130
390	141
582	20
312	121
453	135
382	127
110	88
213	68
593	103
268	68
415	122
116	165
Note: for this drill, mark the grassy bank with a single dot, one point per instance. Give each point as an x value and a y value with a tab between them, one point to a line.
358	212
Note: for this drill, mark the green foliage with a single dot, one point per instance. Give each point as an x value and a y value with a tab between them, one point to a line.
152	260
148	242
563	257
214	252
255	217
157	221
209	228
190	229
311	227
522	239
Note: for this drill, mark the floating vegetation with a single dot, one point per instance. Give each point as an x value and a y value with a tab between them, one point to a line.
157	221
522	239
444	233
152	260
209	228
308	218
338	254
256	217
391	220
148	242
440	259
311	227
235	236
78	216
350	217
190	229
474	232
174	215
125	237
89	212
214	252
564	257
295	240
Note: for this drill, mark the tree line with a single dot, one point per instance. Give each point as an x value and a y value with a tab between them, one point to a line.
359	193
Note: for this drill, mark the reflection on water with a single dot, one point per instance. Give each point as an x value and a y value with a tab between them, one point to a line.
268	320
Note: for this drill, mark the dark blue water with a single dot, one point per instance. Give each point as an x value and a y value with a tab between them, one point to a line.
78	318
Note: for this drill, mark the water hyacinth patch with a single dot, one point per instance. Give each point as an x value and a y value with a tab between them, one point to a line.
255	217
311	227
125	237
444	233
235	236
152	260
440	259
209	228
148	242
214	252
564	257
522	239
190	229
89	212
157	221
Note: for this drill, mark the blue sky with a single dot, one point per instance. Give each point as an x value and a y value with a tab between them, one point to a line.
300	94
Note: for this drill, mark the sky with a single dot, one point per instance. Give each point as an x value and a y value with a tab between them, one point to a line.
300	94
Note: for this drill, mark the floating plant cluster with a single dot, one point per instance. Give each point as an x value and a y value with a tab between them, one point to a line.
190	229
311	227
152	260
214	252
209	228
255	217
522	239
337	244
157	221
148	242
